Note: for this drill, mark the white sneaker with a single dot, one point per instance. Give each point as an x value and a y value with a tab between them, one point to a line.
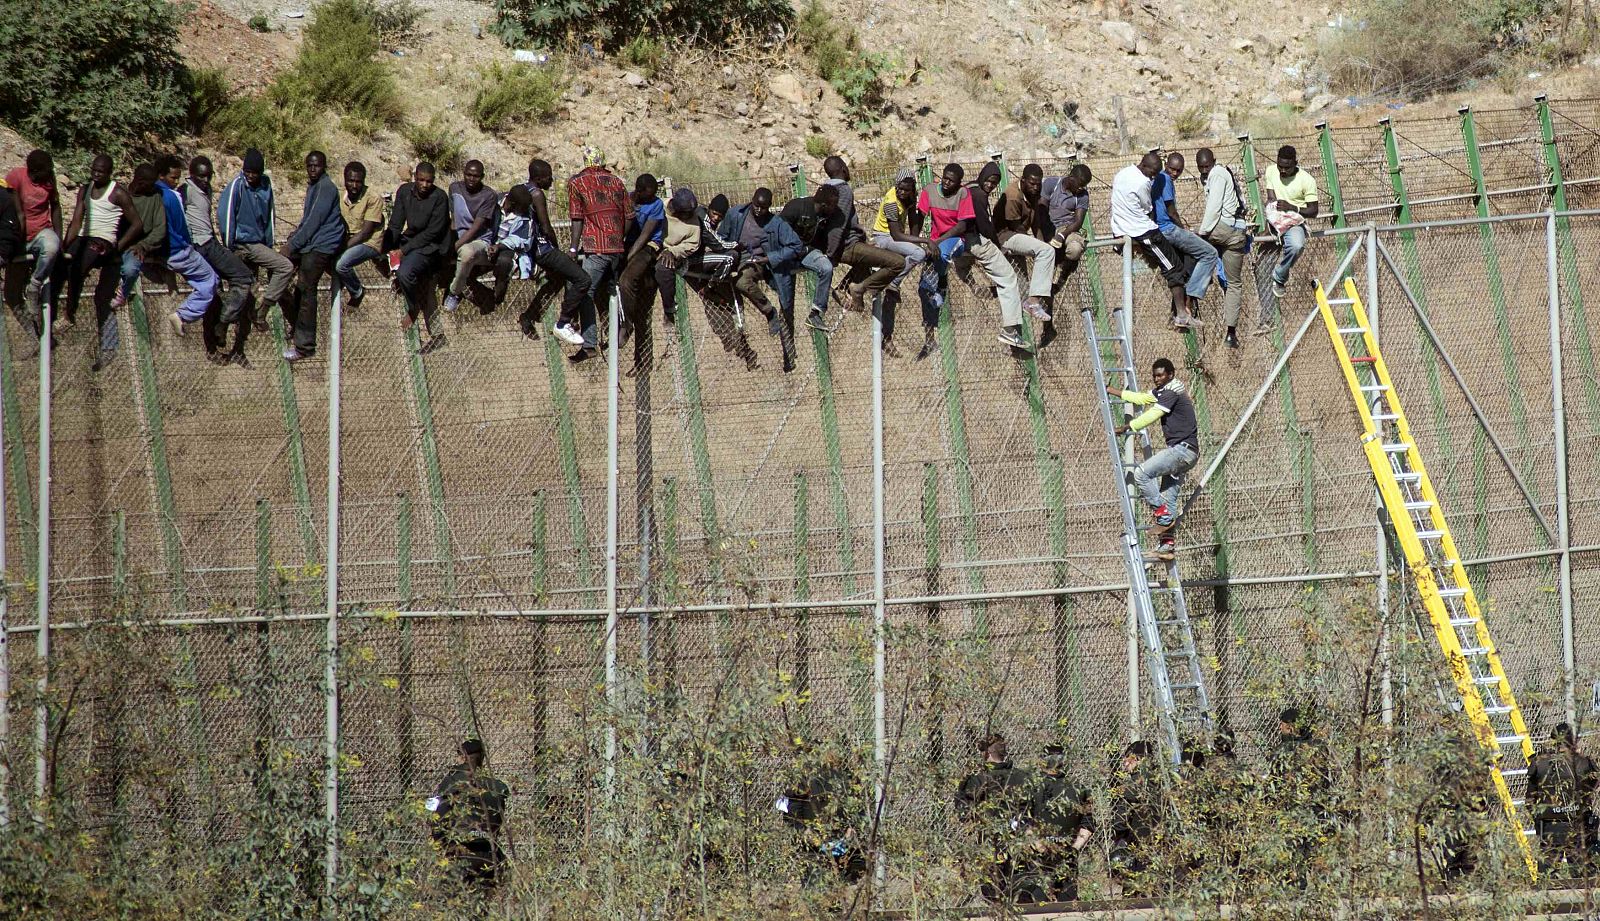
451	302
1278	290
176	324
568	335
1035	309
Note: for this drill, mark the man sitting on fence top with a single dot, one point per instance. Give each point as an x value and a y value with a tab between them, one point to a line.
1014	226
245	224
473	210
1291	196
1133	217
1164	196
898	229
982	241
312	248
419	235
226	311
1225	226
33	186
1161	476
179	252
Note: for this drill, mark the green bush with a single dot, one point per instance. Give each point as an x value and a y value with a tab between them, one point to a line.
712	23
259	23
644	54
92	76
283	131
819	146
858	76
1417	47
395	21
438	143
516	93
339	65
1192	122
209	93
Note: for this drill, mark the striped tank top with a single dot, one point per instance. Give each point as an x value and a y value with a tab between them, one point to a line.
103	215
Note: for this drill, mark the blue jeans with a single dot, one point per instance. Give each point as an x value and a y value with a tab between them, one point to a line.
934	284
1294	243
45	247
1160	477
602	269
1203	254
784	282
344	270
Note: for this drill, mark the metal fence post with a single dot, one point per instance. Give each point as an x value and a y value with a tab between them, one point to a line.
879	641
330	778
41	708
1133	616
1386	679
5	655
1558	412
612	385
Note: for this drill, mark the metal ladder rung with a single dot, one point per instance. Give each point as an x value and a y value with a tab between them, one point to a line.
1108	338
1350	330
1486	682
1374	388
1429	535
1475	651
1385	417
1452	592
1184	653
1186	687
1463	621
1340	300
1410	476
1514	772
1418	506
1513	739
1399	447
1497	710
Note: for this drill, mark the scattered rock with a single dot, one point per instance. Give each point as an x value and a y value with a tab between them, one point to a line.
741	108
1243	44
1122	33
787	87
1320	101
633	79
578	90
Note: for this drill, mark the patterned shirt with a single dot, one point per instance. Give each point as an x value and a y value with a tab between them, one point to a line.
601	201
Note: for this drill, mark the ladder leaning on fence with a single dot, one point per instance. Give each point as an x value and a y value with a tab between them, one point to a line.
1431	555
1162	614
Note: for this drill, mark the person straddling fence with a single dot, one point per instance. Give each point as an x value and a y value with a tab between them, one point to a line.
812	218
468	812
1164	197
1133	217
767	246
1016	222
511	253
224	310
982	242
898	229
601	209
473	210
1160	476
562	271
245	223
180	255
312	247
1226	226
1063	209
104	226
638	282
873	269
1561	788
1291	195
707	263
33	188
418	242
362	209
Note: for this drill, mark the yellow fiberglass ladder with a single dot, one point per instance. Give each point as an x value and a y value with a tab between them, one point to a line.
1431	555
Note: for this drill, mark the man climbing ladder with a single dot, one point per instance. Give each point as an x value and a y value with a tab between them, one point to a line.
1161	475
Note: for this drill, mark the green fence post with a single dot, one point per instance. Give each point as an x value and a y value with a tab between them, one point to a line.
266	601
406	760
934	731
1571	281
1252	181
1414	280
671	582
694	399
148	398
297	455
540	589
802	583
119	561
16	457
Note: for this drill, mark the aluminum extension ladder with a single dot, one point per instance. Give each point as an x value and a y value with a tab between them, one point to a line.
1162	614
1435	564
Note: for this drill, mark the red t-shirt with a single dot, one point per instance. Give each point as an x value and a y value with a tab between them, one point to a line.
602	202
33	200
945	210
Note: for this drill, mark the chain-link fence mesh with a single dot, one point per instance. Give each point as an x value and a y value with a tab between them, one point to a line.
188	507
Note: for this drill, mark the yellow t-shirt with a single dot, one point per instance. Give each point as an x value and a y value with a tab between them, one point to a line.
890	209
368	207
1299	191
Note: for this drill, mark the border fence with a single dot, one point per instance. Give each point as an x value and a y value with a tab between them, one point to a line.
353	564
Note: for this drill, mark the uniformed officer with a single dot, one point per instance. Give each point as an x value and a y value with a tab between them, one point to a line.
1136	815
1301	786
993	801
822	808
1063	820
468	810
1561	785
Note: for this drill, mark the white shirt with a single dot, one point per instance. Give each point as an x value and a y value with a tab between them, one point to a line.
1130	203
1222	201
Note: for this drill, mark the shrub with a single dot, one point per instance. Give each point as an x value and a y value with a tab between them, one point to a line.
644	54
517	93
395	21
438	143
282	131
338	66
209	92
1415	47
685	165
1192	122
259	23
93	76
706	23
857	75
818	146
